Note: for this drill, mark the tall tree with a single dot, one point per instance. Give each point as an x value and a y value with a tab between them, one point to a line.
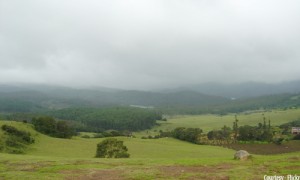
235	127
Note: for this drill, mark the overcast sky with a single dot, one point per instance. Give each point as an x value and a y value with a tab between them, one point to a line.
148	44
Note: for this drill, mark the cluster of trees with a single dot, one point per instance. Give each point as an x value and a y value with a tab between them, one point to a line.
187	134
48	125
15	140
286	128
261	132
117	118
223	134
192	135
255	133
112	133
226	135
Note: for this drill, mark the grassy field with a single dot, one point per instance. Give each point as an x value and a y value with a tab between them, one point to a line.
138	148
166	158
210	122
221	167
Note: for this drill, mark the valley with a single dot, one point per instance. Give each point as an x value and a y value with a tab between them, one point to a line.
56	158
91	116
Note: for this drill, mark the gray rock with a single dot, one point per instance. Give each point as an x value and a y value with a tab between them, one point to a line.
242	155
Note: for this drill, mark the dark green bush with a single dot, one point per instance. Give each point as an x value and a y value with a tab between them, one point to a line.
111	148
15	141
99	135
22	135
86	136
296	137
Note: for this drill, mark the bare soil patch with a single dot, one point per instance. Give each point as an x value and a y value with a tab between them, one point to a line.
294	159
94	175
31	167
266	149
196	172
292	167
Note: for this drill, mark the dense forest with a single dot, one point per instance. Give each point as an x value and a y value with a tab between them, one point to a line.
98	119
117	118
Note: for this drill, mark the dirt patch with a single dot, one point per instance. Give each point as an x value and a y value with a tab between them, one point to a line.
94	175
210	178
199	171
294	159
266	149
293	167
31	167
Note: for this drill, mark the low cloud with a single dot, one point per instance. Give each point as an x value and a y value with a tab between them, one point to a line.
146	44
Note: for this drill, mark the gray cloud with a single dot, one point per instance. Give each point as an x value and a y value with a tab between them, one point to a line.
148	43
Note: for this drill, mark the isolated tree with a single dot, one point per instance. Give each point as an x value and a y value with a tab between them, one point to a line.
111	148
64	130
46	125
264	124
235	127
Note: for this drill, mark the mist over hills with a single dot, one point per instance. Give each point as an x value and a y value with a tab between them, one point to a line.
209	97
242	90
26	97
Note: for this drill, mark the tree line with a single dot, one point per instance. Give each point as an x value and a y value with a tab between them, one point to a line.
98	119
262	132
116	118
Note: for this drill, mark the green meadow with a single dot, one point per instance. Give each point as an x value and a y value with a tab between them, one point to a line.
210	122
165	158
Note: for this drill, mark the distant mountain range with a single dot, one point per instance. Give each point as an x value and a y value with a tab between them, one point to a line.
209	97
242	90
34	97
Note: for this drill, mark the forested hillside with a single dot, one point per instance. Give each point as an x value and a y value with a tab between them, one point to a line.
41	99
98	119
245	89
118	118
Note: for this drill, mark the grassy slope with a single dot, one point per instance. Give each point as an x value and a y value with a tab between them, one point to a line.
52	158
209	122
138	148
40	167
